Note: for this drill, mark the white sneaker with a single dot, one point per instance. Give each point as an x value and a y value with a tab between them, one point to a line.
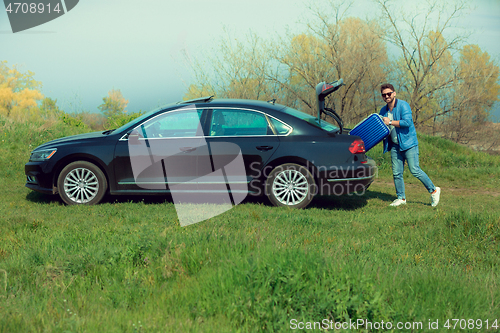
398	202
435	197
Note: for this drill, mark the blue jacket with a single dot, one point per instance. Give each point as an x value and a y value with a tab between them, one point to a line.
407	136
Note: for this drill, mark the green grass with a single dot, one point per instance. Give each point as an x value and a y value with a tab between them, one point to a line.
127	266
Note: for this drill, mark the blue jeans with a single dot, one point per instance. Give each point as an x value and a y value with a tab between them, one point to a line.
398	160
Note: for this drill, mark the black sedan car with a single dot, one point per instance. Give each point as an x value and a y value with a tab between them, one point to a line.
237	147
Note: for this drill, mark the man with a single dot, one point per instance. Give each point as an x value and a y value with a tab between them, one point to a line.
403	144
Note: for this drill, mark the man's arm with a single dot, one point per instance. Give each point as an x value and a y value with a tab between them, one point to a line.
406	117
388	122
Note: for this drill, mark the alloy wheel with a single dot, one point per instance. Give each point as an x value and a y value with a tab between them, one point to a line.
81	185
290	187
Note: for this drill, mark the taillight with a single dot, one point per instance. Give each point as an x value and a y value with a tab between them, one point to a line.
326	86
357	147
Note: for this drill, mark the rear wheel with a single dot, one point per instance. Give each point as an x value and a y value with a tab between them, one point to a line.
81	183
290	185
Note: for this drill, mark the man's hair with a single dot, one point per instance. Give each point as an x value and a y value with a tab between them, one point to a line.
387	86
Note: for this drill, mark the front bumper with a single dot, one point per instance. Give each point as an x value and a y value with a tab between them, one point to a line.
40	189
38	179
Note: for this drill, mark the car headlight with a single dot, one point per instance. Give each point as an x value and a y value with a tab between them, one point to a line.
42	155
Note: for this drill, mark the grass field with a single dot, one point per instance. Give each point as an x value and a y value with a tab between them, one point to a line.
126	265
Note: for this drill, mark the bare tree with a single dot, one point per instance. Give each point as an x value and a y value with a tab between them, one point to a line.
289	68
431	73
233	70
333	47
474	95
426	69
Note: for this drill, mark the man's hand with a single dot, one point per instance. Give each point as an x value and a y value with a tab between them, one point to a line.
386	120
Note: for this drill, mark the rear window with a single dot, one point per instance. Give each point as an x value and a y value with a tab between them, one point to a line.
325	125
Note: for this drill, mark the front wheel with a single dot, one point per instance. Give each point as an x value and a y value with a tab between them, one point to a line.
290	185
81	183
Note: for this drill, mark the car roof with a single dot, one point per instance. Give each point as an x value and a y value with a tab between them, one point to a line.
207	102
270	107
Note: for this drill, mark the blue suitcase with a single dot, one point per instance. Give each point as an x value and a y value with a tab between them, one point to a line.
371	130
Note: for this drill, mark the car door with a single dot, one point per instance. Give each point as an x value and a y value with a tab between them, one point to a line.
160	152
232	131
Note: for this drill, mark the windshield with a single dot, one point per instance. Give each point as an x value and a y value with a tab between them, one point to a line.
325	125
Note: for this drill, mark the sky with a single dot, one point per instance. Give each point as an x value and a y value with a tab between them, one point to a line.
139	46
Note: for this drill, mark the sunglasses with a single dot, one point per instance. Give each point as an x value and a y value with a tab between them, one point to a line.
387	95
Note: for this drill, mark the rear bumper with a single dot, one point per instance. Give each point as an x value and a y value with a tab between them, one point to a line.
347	181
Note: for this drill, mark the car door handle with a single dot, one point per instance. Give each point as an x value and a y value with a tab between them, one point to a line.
265	148
187	149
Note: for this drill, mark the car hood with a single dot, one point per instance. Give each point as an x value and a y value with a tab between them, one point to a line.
71	139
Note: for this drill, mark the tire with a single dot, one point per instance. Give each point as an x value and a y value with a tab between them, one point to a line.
81	183
290	185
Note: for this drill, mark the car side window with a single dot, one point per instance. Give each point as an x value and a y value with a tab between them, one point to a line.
173	124
231	122
281	128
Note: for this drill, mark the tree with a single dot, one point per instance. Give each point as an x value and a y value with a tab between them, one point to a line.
49	108
348	48
234	70
289	68
432	73
451	88
474	96
113	105
426	71
19	93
